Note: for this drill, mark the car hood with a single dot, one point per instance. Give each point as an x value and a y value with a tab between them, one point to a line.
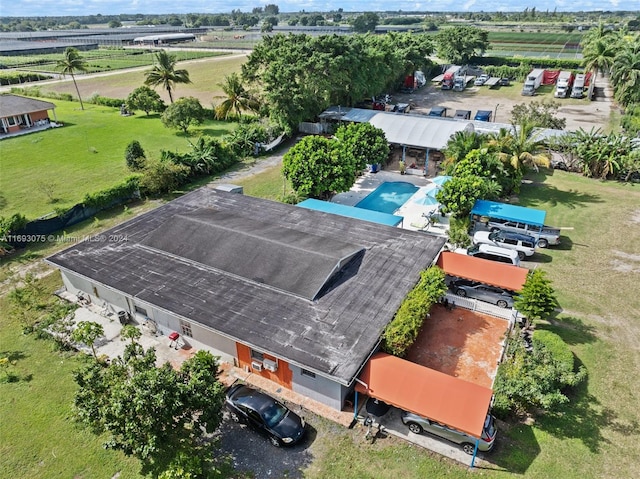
291	426
481	236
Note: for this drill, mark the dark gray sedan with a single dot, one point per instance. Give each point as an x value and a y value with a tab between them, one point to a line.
483	292
265	414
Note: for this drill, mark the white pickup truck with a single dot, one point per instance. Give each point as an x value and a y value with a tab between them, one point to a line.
545	237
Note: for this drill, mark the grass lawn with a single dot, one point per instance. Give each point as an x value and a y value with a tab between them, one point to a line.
39	439
57	167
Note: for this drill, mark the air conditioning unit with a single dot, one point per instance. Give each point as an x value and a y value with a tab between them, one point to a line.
270	365
256	366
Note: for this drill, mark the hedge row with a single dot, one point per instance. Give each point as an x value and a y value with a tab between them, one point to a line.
403	330
104	198
16	78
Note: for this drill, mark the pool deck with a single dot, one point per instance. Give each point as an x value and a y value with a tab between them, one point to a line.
411	211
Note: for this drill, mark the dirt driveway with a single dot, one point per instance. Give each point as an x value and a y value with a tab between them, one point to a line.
583	113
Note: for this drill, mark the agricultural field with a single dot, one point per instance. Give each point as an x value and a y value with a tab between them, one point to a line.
535	44
101	60
206	74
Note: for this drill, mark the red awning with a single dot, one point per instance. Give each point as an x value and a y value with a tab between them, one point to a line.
485	271
429	393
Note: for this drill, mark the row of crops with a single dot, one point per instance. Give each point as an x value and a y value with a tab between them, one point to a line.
97	60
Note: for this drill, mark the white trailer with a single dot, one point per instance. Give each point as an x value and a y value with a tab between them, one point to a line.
578	86
564	84
533	81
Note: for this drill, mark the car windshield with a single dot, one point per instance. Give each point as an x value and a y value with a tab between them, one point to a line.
273	414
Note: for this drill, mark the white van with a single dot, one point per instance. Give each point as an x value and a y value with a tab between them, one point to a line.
494	253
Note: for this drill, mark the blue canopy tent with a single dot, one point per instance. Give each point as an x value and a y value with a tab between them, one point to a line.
352	212
503	211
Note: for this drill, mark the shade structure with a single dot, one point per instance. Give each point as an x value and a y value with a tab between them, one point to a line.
426	200
485	271
455	402
440	180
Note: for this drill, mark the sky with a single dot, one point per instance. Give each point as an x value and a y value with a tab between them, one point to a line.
28	8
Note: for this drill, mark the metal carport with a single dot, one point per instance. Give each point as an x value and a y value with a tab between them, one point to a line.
454	402
504	211
485	271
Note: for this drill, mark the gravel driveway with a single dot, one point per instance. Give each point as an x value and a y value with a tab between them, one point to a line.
252	452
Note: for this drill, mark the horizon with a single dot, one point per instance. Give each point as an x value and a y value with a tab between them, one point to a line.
63	8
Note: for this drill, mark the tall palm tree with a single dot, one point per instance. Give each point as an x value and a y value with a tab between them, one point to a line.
238	99
598	55
625	73
164	73
71	63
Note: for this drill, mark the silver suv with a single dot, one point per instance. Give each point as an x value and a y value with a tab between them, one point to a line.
524	245
418	424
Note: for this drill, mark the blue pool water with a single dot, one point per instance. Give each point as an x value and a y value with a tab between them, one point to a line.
388	197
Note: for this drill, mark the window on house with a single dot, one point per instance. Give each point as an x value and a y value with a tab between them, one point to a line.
257	356
11	120
186	329
141	311
308	373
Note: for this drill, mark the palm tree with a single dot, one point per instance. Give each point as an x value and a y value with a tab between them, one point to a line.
238	99
164	73
520	148
625	73
459	145
598	55
72	62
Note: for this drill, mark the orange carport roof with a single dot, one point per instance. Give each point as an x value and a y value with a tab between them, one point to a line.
457	403
485	271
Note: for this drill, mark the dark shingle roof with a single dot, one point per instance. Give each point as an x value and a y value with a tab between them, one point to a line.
13	105
199	257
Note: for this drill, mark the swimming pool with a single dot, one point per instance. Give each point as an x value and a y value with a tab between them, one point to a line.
388	197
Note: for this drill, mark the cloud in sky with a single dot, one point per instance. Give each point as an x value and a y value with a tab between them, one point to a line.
112	7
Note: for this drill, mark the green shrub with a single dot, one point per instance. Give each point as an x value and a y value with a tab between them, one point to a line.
160	177
96	99
459	232
12	224
536	379
560	351
403	330
134	156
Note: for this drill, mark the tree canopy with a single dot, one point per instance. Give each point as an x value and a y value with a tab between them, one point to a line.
537	299
145	99
317	167
461	44
300	76
183	113
156	414
366	22
366	143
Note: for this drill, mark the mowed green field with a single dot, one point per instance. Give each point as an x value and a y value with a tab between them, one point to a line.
56	168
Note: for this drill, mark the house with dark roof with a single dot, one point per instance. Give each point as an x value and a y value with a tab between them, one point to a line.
298	296
20	114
